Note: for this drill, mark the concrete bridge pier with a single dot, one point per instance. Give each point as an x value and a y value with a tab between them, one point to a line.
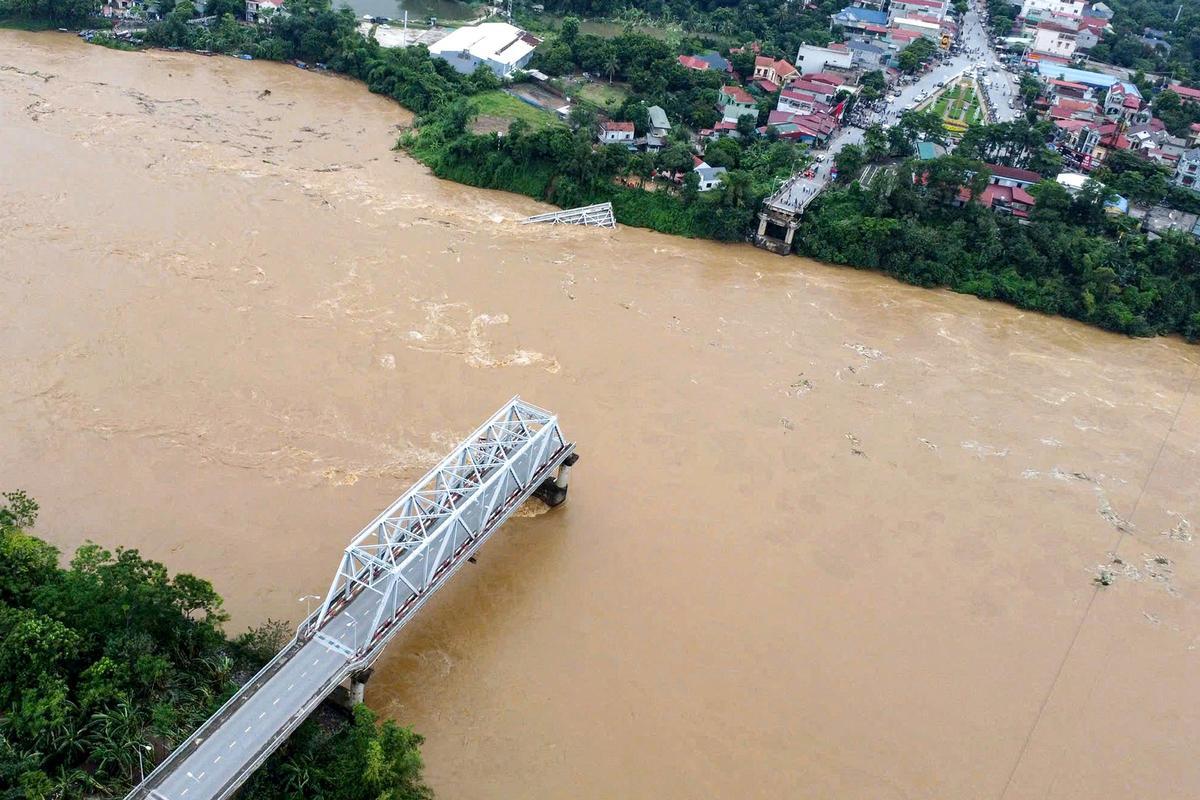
553	491
358	685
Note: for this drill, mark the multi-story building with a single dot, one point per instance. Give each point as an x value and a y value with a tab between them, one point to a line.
1187	170
1055	40
1035	10
810	58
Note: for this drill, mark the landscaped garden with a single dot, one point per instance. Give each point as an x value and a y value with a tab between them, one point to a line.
959	107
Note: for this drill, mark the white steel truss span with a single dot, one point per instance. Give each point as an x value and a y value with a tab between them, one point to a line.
412	547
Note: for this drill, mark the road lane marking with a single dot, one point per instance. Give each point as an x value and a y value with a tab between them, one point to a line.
275	701
263	714
247	729
289	688
185	791
201	775
215	760
302	674
231	744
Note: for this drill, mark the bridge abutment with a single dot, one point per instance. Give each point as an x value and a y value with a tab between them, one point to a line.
785	221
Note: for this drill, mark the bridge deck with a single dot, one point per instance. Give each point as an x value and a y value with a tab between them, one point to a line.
389	571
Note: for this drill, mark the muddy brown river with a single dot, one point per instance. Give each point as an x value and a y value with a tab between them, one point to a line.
830	536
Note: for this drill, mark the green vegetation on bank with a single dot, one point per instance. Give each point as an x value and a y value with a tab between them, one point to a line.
112	657
557	164
1072	259
780	27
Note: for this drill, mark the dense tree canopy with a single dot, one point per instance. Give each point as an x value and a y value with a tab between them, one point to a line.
1067	261
112	657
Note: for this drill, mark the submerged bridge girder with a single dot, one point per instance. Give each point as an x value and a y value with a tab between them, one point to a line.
387	572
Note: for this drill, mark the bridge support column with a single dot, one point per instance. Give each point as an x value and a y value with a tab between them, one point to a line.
553	491
358	686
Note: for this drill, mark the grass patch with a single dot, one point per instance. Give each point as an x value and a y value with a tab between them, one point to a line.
607	95
500	105
22	24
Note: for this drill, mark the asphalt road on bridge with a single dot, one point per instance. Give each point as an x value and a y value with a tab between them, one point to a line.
307	677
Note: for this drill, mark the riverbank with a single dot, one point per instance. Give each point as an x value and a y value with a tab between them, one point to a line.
109	663
1046	264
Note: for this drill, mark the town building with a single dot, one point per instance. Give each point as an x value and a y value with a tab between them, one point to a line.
913	8
929	30
1097	80
660	128
1037	10
1055	40
715	61
1011	177
1155	40
867	21
810	58
257	10
866	56
694	62
811	128
616	133
734	102
1011	200
773	73
500	47
1157	220
710	177
1186	93
1187	170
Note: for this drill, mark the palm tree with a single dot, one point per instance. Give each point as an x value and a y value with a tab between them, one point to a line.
611	62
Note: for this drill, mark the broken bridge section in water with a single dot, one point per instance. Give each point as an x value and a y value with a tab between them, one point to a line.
600	216
386	573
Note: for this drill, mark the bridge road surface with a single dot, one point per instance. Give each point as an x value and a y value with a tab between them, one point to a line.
313	670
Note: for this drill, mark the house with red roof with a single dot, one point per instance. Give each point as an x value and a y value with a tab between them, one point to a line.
735	102
1066	108
691	62
1011	176
775	71
1078	91
616	133
823	92
1193	136
813	128
1012	200
1186	93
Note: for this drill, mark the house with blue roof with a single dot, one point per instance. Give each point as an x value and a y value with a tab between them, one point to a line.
1097	80
863	20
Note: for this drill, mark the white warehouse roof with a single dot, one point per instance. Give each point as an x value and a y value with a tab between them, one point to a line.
493	41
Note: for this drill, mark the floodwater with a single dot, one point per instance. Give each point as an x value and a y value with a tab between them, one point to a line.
830	536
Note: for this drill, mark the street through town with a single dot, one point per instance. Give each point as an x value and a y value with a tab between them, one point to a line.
977	52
